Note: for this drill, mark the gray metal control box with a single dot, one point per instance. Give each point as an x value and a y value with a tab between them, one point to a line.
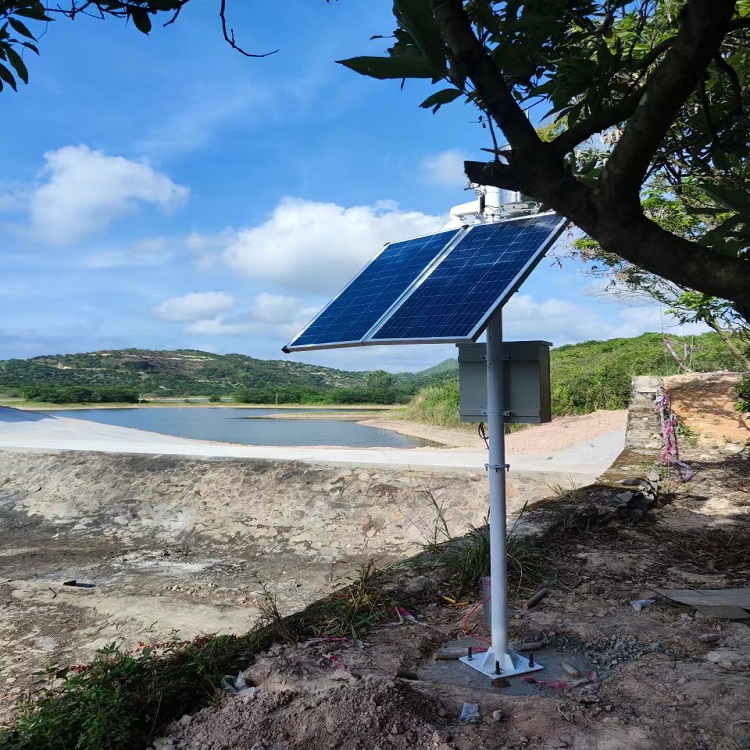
527	396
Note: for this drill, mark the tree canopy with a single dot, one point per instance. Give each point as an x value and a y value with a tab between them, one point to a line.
634	92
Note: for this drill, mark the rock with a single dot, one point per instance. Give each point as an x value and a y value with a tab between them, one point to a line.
709	637
730	659
331	723
497	715
470	713
419	585
342	675
440	736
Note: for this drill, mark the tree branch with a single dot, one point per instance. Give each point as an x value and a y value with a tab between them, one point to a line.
703	25
596	123
229	34
496	98
493	173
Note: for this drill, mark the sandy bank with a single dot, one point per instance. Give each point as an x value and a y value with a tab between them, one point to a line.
561	433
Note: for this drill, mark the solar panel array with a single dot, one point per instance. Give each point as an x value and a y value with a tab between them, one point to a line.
439	288
475	278
364	300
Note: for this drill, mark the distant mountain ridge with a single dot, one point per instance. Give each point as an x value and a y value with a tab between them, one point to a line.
182	372
592	374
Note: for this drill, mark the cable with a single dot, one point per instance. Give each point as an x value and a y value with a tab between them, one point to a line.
466	623
483	434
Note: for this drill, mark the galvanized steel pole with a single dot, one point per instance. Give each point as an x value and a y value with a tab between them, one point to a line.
496	469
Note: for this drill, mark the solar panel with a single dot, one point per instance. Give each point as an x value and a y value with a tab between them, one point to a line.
482	271
350	316
442	288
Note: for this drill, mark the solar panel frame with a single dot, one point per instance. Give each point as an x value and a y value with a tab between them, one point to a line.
509	290
450	242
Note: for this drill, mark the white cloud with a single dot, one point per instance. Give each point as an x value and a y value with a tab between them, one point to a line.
87	190
565	322
199	116
272	315
555	320
637	319
317	247
151	251
195	306
445	168
13	197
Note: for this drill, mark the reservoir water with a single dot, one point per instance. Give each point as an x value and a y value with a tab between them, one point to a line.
235	425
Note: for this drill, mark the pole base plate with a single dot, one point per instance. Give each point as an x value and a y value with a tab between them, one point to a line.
510	664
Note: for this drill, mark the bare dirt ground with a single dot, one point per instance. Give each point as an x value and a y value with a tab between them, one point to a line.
655	683
561	433
705	403
660	677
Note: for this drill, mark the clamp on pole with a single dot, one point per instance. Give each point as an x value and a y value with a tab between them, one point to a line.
497	467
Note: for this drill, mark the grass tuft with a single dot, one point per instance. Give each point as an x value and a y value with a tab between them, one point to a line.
357	607
468	559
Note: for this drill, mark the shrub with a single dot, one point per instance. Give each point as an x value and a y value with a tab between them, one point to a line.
743	395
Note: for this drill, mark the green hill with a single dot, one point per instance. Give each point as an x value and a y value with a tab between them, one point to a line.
585	377
447	366
186	372
183	372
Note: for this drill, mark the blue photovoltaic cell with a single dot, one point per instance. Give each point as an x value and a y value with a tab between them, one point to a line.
476	275
361	304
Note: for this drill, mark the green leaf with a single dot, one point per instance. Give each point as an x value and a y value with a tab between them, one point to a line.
20	28
436	100
734	200
34	11
18	64
401	66
7	76
141	19
415	17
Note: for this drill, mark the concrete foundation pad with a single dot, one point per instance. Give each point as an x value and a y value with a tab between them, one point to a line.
551	680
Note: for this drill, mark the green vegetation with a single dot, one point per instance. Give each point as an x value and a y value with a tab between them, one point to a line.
743	395
80	394
600	68
436	404
379	387
180	373
467	558
593	375
585	377
359	606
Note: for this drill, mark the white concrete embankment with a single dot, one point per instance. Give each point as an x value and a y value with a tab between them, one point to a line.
35	431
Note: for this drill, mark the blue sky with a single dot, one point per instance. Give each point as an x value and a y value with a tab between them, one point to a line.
166	192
